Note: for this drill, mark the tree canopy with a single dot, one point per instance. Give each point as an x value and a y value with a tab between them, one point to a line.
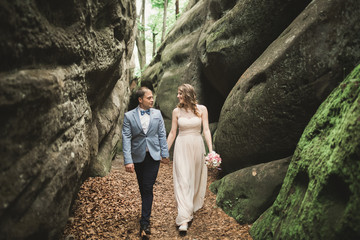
154	27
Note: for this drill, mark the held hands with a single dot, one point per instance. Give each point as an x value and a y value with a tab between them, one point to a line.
129	167
165	160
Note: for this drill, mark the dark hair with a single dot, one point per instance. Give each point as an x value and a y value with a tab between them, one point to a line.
141	92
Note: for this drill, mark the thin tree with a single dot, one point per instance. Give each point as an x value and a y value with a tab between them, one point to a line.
154	43
164	21
154	24
176	9
140	36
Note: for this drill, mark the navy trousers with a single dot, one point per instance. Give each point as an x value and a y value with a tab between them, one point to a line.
146	173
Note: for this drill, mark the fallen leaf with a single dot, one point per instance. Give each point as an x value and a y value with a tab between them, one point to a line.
110	208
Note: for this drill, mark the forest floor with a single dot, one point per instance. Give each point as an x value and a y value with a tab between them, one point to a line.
109	208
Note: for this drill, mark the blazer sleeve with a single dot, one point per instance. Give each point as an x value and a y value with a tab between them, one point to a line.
162	138
126	139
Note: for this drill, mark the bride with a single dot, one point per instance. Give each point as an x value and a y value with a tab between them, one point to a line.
189	169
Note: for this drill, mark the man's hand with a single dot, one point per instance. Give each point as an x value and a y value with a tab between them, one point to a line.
165	160
129	167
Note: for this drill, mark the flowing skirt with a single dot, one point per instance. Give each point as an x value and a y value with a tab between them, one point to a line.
190	175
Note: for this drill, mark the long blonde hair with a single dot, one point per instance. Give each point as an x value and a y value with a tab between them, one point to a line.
189	96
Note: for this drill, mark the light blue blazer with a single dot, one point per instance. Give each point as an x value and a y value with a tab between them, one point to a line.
135	140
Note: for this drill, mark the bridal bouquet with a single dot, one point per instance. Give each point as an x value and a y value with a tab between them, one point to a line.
213	160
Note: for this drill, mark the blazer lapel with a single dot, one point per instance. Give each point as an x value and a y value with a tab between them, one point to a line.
151	117
137	118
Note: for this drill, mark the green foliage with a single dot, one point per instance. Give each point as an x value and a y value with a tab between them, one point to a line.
138	73
155	21
159	3
140	26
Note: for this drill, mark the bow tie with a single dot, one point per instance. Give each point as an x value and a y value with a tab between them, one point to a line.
146	111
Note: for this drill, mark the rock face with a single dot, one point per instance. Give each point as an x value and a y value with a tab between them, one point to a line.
239	31
267	110
320	197
262	68
63	86
247	193
212	44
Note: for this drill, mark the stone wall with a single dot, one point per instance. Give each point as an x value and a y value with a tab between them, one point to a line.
320	197
211	45
63	87
266	112
262	68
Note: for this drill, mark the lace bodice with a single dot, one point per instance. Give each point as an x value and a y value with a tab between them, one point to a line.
188	122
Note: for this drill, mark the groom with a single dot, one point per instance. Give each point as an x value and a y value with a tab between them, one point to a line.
144	145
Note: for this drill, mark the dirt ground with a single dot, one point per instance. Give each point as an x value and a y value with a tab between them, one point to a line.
109	208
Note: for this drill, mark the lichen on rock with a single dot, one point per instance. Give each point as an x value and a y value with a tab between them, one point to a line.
320	197
248	192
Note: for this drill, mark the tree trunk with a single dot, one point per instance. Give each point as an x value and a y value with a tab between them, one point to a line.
176	9
164	21
140	37
154	44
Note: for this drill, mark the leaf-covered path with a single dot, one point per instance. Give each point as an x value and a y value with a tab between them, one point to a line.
109	208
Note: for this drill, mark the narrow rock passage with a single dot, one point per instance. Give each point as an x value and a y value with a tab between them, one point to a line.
109	208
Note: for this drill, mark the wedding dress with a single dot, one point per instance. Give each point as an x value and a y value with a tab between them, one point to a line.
189	171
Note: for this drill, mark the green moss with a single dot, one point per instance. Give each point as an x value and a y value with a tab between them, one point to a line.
225	199
320	197
244	196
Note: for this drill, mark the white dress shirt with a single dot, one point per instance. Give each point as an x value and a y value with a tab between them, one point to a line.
145	120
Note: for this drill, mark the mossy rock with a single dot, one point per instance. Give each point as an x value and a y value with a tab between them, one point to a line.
320	197
247	193
267	111
211	45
